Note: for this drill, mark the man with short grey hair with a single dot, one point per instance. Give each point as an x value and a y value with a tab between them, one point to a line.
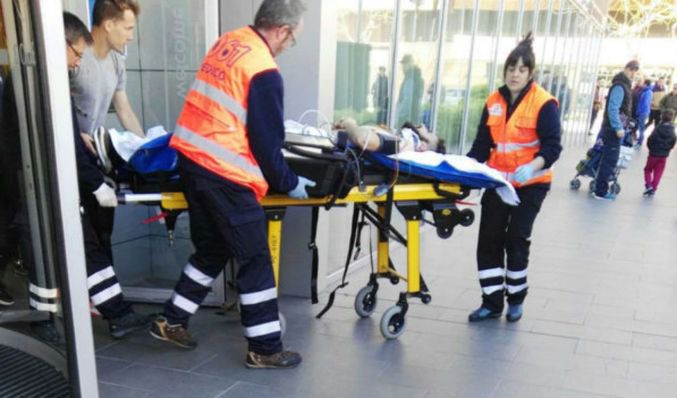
229	138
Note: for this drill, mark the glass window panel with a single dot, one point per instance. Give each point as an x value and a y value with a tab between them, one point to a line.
417	46
456	53
483	59
363	60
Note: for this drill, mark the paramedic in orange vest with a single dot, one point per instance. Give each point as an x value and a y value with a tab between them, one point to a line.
229	137
518	135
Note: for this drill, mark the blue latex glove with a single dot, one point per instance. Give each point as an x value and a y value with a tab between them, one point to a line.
300	191
524	173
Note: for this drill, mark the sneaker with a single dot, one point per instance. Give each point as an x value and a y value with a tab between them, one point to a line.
514	313
126	324
175	334
609	196
648	192
280	360
482	314
6	299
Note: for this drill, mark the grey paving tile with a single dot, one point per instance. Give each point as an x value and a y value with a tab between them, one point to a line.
628	353
247	390
170	383
582	332
107	390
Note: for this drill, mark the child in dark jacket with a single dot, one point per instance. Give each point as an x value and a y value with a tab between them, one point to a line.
660	143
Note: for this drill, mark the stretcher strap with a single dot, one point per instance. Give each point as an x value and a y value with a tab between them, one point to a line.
353	234
313	246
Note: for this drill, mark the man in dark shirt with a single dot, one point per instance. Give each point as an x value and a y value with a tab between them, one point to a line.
229	138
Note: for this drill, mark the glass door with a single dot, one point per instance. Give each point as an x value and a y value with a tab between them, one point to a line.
43	292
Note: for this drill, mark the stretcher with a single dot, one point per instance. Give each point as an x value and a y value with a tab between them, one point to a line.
346	177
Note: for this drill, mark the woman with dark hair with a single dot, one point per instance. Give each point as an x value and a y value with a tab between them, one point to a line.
518	135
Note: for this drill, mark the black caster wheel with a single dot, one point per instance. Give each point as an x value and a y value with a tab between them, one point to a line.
392	323
394	280
426	298
365	302
575	184
592	186
615	188
468	217
445	233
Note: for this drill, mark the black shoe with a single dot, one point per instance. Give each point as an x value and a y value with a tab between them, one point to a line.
280	360
514	313
175	334
5	298
649	191
482	314
126	324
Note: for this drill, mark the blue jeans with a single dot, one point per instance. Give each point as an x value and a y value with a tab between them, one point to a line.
610	153
641	125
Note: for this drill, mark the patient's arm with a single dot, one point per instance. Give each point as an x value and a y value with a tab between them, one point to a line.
365	137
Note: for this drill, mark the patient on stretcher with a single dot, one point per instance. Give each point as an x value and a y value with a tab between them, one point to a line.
376	139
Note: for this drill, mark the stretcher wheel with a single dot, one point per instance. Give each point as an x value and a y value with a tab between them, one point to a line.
426	298
365	302
468	217
445	233
575	184
592	186
394	280
392	323
615	188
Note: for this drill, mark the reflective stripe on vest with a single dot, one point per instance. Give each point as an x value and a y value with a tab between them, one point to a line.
216	150
517	146
516	139
226	101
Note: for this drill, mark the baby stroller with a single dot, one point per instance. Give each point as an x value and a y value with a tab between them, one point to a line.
589	167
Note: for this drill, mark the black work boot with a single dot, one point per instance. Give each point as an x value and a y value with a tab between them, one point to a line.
128	323
175	334
280	360
6	299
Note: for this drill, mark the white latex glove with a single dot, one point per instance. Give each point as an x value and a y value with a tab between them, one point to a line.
105	195
299	192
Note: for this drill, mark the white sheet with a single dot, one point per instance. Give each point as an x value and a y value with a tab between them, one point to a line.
463	163
126	143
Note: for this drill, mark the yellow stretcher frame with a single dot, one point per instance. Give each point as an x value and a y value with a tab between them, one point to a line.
392	323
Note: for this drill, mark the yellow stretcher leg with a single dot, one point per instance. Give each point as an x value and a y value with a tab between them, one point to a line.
383	252
274	243
413	256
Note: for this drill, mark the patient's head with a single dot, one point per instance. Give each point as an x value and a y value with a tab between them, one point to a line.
429	141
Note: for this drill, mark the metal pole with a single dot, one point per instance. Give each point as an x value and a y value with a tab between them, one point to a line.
520	20
437	88
546	32
499	32
393	64
468	85
554	53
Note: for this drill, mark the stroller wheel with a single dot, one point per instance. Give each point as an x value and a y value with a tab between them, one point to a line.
615	188
592	186
575	184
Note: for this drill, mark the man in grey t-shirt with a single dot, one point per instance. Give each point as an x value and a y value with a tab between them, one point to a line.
100	80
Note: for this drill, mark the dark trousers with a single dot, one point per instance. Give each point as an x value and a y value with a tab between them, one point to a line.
654	117
610	152
104	289
504	237
101	220
653	171
227	222
382	114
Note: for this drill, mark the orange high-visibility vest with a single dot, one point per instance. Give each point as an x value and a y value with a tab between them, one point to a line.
516	140
212	127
